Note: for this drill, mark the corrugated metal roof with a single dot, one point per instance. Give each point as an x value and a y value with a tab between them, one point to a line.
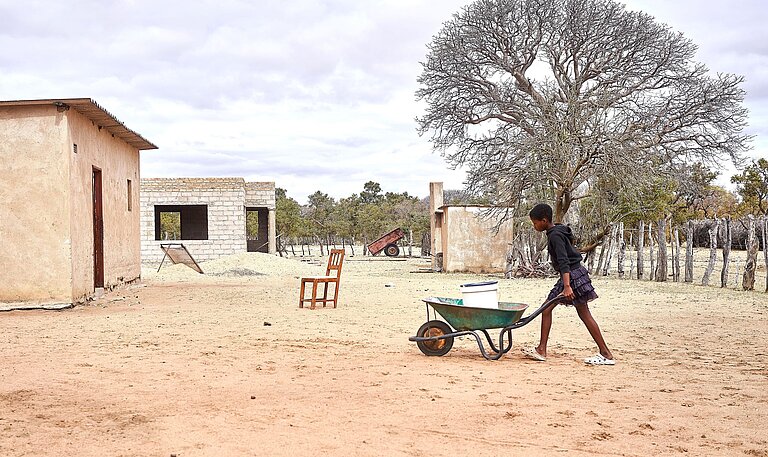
90	109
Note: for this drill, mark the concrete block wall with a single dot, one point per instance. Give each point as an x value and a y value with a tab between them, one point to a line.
225	198
260	195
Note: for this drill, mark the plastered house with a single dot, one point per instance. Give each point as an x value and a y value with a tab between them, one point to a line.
463	240
69	193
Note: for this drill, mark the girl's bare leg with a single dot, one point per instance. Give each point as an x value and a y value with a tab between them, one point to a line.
586	316
546	326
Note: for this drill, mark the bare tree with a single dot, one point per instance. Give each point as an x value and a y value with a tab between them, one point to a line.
543	96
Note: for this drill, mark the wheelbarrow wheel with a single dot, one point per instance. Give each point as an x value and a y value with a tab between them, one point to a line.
436	347
391	250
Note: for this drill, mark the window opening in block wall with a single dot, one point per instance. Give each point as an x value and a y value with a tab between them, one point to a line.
181	222
130	196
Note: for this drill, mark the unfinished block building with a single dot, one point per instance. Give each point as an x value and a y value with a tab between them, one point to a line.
212	217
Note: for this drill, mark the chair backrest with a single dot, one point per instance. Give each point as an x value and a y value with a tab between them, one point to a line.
335	260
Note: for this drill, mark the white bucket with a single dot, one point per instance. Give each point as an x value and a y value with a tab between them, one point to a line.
481	294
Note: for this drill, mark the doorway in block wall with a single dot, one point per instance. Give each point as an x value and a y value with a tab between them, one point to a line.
98	230
257	229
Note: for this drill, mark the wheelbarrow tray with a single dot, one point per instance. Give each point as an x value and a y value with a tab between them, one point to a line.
463	318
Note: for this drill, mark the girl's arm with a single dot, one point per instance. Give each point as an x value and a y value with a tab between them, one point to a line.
567	291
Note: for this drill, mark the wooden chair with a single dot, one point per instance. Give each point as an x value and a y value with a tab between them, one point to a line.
335	261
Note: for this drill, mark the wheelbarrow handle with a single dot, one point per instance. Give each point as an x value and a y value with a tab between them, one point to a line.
547	304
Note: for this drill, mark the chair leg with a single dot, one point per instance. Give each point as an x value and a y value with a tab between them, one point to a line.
314	295
336	294
325	293
301	294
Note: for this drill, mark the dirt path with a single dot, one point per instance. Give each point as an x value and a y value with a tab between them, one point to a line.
185	365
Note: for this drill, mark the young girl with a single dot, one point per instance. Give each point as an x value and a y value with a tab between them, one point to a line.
574	284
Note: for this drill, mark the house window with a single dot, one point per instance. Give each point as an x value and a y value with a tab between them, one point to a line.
74	148
130	196
181	222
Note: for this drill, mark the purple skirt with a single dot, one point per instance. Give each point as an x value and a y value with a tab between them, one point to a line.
580	284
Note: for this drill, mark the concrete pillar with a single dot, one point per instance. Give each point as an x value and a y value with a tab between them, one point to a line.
272	232
436	223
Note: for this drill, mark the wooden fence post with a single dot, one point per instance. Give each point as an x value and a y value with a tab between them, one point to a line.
622	249
726	250
611	247
640	247
671	258
676	255
765	249
712	252
748	281
661	268
602	255
652	252
689	253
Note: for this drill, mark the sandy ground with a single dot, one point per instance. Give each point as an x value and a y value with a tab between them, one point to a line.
187	365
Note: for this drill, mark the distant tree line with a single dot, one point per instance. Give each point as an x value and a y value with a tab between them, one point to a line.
352	221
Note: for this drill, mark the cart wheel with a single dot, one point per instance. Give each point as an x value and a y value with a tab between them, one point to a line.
391	250
437	347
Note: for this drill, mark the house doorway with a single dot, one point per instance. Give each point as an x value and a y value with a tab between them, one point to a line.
98	231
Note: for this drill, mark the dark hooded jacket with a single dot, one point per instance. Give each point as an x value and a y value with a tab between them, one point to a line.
563	255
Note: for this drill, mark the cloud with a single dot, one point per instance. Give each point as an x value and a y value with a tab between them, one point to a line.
313	94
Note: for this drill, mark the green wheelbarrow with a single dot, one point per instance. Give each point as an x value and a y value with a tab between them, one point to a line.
435	337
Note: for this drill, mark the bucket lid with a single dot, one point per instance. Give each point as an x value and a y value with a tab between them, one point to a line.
476	284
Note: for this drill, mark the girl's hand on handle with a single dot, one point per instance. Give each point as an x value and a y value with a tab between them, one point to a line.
568	292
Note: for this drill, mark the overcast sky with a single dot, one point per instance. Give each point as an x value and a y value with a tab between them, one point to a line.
314	95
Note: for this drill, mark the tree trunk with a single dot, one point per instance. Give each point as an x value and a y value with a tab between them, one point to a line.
622	249
597	240
726	250
509	262
640	247
676	255
426	242
591	261
652	252
562	203
712	253
689	253
661	269
748	282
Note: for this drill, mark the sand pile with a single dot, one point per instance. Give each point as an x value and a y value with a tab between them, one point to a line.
246	264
